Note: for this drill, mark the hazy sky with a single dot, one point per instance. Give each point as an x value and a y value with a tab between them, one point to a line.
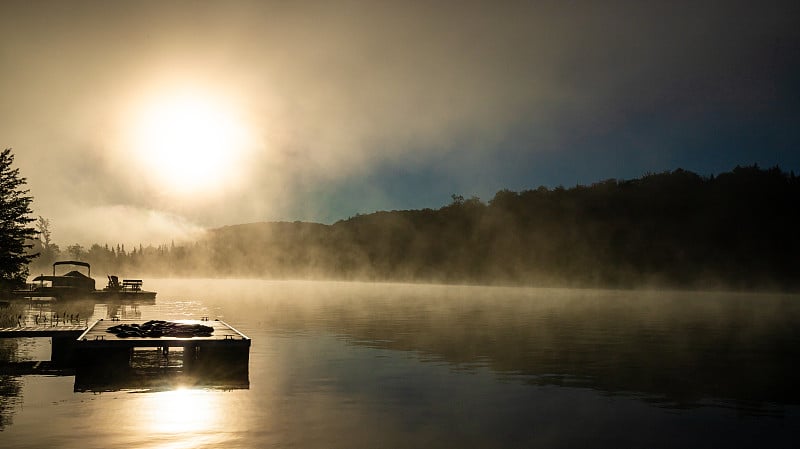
144	121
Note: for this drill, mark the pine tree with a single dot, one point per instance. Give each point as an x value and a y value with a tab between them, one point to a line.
15	232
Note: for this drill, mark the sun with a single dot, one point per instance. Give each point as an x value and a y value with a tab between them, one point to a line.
189	142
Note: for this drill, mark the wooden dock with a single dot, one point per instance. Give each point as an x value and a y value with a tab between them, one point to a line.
225	349
58	331
94	346
98	336
104	361
63	337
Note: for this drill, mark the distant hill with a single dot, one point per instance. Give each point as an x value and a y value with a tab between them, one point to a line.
737	229
674	229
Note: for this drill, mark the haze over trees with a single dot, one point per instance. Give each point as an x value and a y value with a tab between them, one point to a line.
671	229
15	233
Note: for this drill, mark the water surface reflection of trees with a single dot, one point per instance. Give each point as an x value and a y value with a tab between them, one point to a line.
678	349
10	388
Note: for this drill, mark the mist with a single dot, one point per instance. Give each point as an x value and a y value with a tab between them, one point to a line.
356	107
667	230
446	224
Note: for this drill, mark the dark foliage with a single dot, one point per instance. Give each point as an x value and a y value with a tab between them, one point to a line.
673	229
15	232
668	229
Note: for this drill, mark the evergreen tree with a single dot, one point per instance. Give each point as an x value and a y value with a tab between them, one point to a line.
48	251
15	232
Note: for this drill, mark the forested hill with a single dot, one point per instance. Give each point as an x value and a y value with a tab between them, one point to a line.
674	229
737	229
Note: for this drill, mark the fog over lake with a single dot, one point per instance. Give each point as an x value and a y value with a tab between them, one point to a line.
336	364
450	224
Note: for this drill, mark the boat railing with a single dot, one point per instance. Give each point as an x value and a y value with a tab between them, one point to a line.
132	285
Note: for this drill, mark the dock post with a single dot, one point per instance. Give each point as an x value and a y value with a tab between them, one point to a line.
223	360
103	368
189	355
62	349
103	361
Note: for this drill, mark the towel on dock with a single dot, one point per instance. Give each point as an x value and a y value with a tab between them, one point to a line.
160	328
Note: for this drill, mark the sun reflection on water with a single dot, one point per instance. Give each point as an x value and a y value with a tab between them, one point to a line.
191	414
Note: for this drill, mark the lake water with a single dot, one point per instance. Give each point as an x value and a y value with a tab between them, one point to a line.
352	365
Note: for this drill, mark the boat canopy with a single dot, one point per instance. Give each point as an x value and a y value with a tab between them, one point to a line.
73	262
44	278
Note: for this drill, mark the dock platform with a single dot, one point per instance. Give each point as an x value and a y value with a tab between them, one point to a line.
97	336
60	330
225	349
63	337
105	361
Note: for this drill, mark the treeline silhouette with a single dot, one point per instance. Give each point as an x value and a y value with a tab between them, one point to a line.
672	229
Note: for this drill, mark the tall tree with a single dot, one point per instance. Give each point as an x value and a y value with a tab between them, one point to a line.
48	251
15	232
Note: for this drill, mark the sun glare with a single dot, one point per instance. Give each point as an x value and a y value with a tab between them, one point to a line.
190	143
182	418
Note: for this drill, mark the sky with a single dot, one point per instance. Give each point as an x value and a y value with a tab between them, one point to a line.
149	121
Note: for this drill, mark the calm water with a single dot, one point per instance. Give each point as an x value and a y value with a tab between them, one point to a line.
348	365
